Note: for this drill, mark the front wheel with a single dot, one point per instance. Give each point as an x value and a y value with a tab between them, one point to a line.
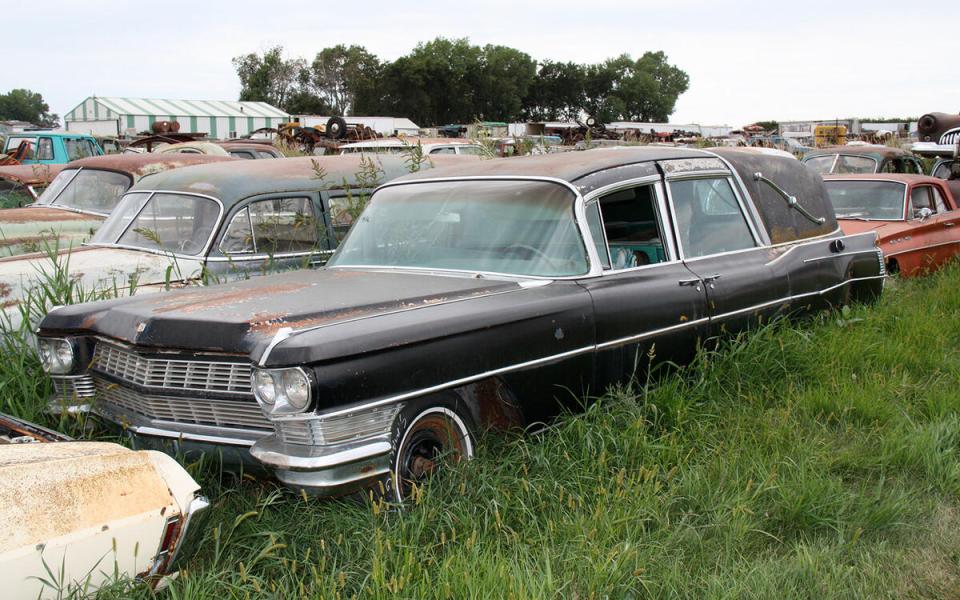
429	435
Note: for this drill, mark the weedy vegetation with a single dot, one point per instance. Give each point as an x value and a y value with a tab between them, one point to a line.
812	459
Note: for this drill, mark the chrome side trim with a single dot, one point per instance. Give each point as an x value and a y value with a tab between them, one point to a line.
272	452
578	351
908	250
183	435
839	254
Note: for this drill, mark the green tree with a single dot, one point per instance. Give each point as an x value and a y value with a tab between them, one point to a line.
557	92
339	72
645	89
269	77
504	76
27	105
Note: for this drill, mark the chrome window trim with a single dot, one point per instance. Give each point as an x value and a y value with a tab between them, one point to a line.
594	267
575	352
199	256
250	257
75	173
229	224
752	208
246	207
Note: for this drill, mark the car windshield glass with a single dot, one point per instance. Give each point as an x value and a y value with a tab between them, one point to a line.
867	199
821	164
90	191
78	148
855	164
510	227
14	142
161	221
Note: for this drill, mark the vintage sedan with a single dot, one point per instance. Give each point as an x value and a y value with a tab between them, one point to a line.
491	294
230	219
839	160
915	217
78	200
78	515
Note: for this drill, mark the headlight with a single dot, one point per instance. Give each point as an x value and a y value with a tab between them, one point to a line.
57	355
282	391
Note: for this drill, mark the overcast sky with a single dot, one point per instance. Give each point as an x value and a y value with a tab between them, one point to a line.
747	61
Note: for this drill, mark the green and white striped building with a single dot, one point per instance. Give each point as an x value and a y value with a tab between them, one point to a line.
128	116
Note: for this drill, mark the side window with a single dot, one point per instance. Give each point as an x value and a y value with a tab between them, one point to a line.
45	149
471	150
444	150
913	167
632	227
942	171
595	222
709	218
919	199
274	226
241	154
77	148
855	164
265	154
343	210
238	238
938	200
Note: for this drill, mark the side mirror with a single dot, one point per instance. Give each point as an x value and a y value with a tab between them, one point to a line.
924	213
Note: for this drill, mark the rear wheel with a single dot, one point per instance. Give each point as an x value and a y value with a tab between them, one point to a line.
428	435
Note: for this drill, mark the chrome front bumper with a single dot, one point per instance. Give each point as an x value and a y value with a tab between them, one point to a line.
325	470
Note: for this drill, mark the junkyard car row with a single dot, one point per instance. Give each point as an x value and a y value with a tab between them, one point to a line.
468	295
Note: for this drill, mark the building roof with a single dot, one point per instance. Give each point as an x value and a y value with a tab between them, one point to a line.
190	108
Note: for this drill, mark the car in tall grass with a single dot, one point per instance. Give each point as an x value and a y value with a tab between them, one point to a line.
916	217
228	219
79	515
850	159
485	295
77	201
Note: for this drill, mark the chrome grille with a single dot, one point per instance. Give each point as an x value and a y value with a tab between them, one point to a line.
322	432
238	414
77	387
212	376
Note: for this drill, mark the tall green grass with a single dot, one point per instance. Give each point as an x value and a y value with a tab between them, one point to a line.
818	459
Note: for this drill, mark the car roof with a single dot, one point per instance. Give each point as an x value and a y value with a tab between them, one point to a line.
46	133
236	179
875	151
566	166
139	165
390	142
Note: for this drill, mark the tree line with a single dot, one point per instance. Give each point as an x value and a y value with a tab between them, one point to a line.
453	81
27	105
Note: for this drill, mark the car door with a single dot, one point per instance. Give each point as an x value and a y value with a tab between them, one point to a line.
271	232
643	310
934	236
720	242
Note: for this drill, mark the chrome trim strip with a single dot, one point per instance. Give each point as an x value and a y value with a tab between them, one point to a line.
647	334
907	250
251	257
281	334
182	435
277	459
839	254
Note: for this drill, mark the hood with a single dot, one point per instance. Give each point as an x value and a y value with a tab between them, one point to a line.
238	317
94	268
31	229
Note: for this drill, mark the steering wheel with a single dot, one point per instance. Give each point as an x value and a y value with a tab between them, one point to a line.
535	252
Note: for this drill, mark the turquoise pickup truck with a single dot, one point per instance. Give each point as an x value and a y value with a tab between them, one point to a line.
50	147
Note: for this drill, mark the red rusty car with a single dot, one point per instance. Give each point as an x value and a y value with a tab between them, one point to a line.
915	217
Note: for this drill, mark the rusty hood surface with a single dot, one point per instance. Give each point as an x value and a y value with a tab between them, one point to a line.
238	318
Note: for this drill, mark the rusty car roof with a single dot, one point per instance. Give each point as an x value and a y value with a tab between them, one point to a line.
238	179
566	166
140	165
897	177
30	174
868	150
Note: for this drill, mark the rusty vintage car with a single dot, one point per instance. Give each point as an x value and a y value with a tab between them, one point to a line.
231	219
839	160
915	217
76	202
22	184
489	294
78	515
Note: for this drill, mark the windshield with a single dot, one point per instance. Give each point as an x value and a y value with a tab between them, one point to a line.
14	142
833	164
161	221
510	227
88	190
868	200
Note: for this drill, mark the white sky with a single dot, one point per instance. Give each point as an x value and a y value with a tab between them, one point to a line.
747	60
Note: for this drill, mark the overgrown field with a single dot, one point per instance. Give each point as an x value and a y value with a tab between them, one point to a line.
812	460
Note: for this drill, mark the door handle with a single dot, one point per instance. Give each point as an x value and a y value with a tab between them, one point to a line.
710	278
949	224
689	282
